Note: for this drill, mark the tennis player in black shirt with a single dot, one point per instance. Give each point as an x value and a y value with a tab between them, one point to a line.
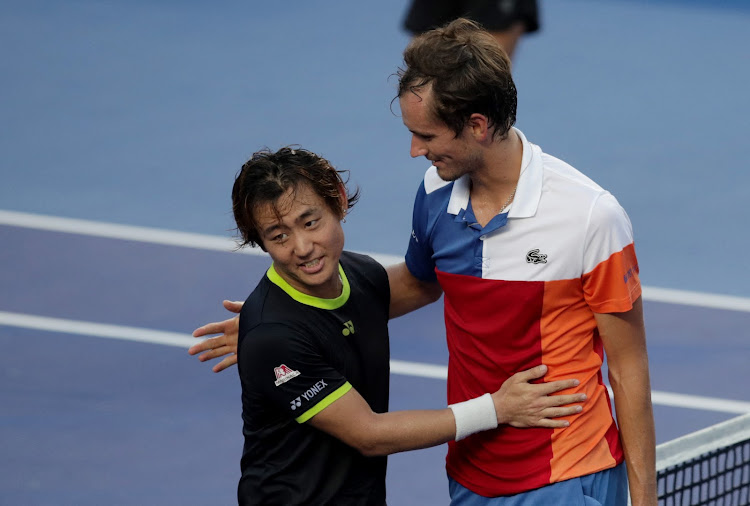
313	354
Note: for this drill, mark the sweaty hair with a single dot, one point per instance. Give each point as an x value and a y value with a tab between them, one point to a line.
468	72
268	175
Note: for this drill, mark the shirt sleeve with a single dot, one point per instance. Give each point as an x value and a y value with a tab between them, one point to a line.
419	255
611	281
285	367
382	286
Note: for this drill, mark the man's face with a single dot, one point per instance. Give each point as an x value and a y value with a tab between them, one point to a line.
305	243
430	137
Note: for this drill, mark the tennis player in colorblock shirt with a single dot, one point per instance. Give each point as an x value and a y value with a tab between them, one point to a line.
540	274
538	266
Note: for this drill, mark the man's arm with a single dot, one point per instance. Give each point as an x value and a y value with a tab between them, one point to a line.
624	339
409	293
518	402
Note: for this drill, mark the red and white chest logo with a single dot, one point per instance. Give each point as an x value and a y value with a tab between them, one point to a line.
284	374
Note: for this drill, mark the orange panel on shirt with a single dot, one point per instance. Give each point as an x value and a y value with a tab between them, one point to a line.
606	280
568	350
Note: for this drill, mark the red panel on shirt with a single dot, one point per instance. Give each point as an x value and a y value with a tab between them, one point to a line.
497	328
484	352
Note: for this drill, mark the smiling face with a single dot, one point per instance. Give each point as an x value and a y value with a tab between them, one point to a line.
452	156
305	240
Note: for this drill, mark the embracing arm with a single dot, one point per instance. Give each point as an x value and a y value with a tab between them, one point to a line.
351	420
624	339
518	402
407	292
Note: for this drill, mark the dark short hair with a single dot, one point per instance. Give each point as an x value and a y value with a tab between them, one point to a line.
268	175
468	71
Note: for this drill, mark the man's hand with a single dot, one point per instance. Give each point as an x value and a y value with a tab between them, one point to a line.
520	403
224	344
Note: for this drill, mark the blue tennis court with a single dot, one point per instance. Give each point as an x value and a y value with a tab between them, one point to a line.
125	122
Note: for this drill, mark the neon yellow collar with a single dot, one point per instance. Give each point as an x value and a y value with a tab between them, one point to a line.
311	300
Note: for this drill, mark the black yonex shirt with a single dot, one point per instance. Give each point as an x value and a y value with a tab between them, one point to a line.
296	355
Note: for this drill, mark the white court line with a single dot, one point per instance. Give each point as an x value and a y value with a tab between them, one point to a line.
103	330
216	243
125	232
397	366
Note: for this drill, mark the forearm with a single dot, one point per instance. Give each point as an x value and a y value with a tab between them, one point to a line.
636	422
407	292
517	402
624	339
351	420
400	431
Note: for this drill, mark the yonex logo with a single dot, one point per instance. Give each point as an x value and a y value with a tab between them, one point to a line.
349	328
534	257
309	394
314	390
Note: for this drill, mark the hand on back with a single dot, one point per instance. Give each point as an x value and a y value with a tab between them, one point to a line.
223	345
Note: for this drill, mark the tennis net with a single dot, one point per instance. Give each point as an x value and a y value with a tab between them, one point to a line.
710	466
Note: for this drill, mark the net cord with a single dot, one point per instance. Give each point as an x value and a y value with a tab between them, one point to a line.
703	441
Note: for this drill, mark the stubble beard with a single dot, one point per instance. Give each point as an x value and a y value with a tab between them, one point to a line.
471	164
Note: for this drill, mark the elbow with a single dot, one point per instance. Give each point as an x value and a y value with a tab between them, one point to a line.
435	296
373	451
360	429
369	442
370	448
615	382
614	379
433	292
634	373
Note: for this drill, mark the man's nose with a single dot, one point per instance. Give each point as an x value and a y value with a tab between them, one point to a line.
417	147
303	244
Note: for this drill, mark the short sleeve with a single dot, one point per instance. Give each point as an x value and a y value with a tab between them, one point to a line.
286	368
419	258
377	278
611	280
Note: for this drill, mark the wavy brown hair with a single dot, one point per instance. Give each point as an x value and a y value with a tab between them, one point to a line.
468	72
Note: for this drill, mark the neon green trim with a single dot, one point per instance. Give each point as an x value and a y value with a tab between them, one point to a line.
327	401
310	300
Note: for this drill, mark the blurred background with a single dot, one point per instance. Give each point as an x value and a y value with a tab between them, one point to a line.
140	113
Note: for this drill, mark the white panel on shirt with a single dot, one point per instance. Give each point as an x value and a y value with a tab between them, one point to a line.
577	225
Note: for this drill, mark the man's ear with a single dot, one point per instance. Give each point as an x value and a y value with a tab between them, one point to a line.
343	200
478	125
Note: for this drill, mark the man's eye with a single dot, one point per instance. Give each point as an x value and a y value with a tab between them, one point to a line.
311	223
280	237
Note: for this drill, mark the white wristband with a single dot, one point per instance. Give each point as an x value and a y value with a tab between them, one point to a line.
474	415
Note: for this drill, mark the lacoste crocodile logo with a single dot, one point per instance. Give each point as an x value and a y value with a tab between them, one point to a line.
534	257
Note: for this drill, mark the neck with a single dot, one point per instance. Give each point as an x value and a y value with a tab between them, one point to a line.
501	170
